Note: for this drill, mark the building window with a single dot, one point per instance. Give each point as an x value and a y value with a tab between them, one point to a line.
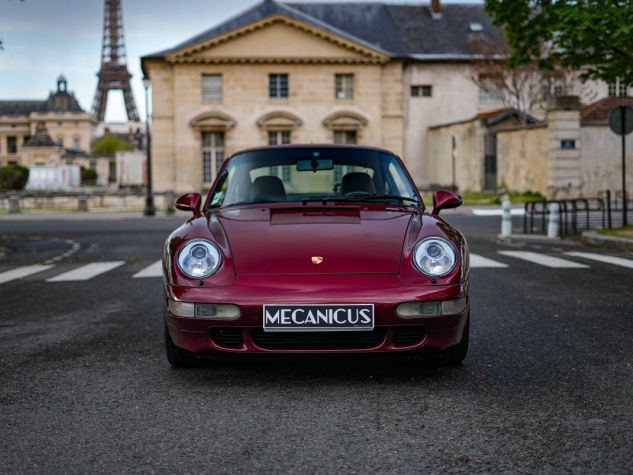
344	86
93	165
76	144
278	86
422	90
345	136
12	144
60	141
212	87
617	89
280	137
212	154
26	139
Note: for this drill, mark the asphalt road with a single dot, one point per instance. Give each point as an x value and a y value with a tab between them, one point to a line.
547	386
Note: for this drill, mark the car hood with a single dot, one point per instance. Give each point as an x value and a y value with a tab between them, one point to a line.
266	241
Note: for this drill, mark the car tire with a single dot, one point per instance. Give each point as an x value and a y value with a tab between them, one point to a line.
176	356
455	354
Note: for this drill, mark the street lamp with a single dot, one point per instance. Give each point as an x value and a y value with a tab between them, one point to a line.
150	209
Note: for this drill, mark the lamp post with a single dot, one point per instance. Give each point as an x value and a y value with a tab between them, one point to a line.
150	209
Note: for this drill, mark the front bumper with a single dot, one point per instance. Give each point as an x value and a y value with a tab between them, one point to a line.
206	337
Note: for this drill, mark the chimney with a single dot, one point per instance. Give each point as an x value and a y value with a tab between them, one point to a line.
436	9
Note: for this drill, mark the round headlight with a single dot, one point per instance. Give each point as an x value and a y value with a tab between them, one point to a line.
434	256
199	258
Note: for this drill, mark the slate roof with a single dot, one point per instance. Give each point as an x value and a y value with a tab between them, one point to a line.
598	112
19	107
404	31
58	101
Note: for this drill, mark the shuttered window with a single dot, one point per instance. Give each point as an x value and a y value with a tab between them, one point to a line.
212	85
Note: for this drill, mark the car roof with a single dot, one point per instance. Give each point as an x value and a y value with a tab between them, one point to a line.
314	145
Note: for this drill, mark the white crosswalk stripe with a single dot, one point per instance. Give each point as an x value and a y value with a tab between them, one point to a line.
618	261
544	260
155	270
21	272
86	272
479	261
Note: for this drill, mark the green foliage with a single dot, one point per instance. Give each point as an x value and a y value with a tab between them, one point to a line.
88	177
595	36
111	143
473	198
13	178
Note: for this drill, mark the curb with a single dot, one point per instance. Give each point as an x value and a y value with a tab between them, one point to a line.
592	237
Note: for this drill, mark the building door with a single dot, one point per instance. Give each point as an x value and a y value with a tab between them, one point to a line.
490	161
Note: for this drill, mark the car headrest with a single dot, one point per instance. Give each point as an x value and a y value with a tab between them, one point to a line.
357	181
267	189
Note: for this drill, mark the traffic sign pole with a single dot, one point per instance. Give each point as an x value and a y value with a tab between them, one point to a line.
621	123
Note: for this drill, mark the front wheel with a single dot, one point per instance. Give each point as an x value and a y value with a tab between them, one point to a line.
177	356
455	354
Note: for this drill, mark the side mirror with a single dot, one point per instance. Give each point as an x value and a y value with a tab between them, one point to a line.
189	202
443	199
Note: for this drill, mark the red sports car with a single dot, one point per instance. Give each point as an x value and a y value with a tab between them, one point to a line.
315	249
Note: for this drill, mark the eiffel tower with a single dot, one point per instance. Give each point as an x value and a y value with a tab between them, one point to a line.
113	74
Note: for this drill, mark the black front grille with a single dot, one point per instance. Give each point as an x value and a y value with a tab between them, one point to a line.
318	340
226	336
408	335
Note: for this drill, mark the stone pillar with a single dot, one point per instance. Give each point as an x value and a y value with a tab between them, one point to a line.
563	160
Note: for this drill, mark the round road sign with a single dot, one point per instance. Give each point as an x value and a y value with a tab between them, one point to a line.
616	122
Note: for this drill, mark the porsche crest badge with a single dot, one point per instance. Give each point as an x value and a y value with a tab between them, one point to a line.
317	259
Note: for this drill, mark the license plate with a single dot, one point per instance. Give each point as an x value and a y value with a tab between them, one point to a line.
298	318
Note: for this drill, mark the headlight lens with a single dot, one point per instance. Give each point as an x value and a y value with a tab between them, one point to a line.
434	256
199	258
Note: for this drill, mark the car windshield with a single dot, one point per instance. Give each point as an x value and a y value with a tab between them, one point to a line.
297	174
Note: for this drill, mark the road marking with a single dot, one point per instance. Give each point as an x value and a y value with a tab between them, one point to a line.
618	261
21	272
497	212
479	261
86	272
544	260
155	270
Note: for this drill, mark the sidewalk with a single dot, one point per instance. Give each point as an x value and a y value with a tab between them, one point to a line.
91	216
615	242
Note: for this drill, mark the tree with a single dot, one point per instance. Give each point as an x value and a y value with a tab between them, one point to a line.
13	178
518	88
593	36
111	143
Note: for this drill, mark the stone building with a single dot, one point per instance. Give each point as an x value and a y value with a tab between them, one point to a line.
371	73
570	153
394	76
69	126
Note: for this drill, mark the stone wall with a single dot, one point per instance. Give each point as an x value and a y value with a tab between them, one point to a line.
601	160
526	171
468	138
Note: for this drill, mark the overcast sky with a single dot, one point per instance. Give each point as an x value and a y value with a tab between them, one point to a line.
45	38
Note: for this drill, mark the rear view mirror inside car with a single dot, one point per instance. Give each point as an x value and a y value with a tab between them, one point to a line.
314	164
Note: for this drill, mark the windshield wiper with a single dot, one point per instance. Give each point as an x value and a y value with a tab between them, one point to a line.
325	199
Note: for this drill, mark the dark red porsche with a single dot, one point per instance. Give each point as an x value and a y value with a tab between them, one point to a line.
315	249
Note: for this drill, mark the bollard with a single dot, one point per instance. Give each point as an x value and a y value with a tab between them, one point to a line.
14	203
169	202
553	220
82	202
506	218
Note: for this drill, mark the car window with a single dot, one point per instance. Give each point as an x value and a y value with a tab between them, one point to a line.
286	175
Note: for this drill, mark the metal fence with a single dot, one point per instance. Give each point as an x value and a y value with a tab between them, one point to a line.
578	214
